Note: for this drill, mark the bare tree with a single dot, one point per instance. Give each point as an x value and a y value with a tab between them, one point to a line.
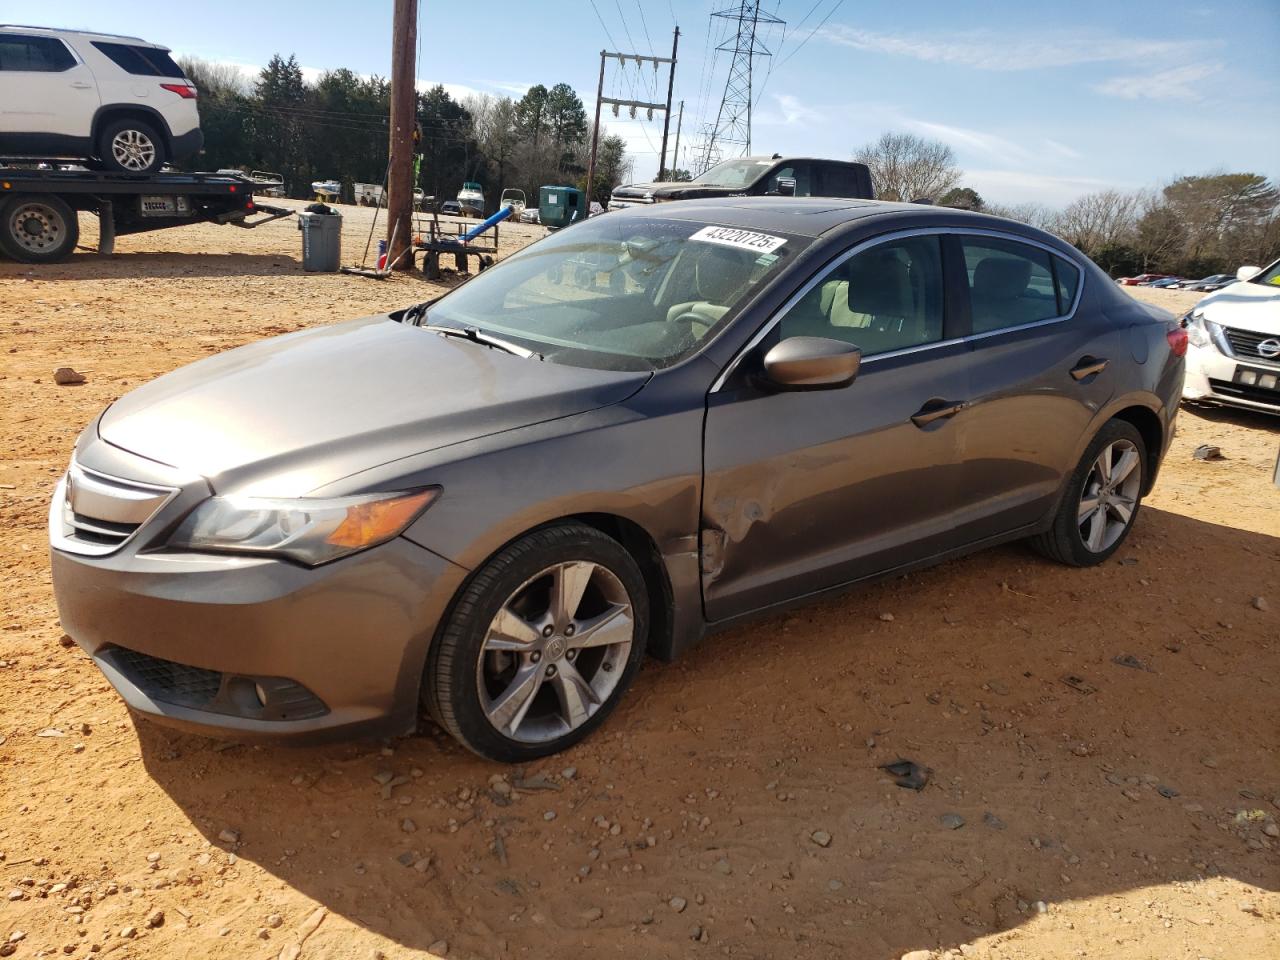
1034	214
1097	220
907	167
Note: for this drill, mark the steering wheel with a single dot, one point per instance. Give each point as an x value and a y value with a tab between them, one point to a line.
683	324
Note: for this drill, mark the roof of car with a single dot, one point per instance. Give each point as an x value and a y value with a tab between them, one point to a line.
814	216
26	28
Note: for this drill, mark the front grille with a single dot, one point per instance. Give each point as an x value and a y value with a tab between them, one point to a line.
100	513
229	694
1245	343
1244	391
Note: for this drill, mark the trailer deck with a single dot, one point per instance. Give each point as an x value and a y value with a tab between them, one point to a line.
38	221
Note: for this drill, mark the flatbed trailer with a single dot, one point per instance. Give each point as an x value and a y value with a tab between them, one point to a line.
38	222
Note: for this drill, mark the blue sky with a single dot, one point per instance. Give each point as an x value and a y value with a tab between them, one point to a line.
1041	101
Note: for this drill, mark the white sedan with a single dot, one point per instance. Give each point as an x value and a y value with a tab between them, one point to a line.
1234	335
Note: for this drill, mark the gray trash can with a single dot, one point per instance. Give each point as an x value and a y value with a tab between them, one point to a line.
321	241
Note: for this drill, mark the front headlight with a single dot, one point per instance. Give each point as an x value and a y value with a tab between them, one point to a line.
309	531
1197	328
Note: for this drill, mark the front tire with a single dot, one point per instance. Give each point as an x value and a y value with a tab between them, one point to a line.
540	646
38	229
1101	501
131	146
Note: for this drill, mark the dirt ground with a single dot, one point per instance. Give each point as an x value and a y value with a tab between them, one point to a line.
732	806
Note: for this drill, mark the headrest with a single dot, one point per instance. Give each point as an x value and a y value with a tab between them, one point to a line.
879	285
1001	278
720	272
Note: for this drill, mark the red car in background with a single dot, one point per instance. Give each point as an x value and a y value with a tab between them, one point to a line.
1141	278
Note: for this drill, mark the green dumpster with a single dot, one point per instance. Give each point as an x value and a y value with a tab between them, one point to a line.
560	206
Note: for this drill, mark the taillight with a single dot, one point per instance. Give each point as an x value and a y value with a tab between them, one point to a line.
1177	338
184	90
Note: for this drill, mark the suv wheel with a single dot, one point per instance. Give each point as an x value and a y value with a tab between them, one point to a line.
540	646
1101	501
39	229
131	146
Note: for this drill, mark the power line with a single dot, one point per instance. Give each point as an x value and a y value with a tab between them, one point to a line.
607	34
645	25
627	30
830	13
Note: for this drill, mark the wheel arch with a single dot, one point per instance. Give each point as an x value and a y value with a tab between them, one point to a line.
1147	423
110	112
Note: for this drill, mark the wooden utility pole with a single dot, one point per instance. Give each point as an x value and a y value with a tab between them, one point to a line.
666	116
675	154
404	117
595	138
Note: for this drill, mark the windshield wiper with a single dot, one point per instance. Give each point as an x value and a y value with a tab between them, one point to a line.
476	335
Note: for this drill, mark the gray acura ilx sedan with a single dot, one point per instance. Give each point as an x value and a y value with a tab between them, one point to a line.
652	424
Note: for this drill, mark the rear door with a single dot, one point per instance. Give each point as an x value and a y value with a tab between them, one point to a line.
44	90
805	490
1040	371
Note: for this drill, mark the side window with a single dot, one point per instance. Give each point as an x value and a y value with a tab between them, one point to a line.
1010	283
836	180
140	61
19	52
1068	275
796	171
885	298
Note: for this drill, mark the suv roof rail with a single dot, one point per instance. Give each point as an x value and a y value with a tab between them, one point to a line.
90	33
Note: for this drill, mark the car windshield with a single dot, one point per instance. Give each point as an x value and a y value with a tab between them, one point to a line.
1270	276
619	292
734	173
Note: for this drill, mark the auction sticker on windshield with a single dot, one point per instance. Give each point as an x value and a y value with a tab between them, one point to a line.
742	239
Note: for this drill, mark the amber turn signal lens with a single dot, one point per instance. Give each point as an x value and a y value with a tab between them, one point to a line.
378	520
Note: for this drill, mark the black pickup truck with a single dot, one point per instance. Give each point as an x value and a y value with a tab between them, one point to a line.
757	176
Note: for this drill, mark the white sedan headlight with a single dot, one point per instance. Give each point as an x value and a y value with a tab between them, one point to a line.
1201	332
309	531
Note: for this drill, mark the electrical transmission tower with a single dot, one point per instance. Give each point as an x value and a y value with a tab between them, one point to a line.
732	131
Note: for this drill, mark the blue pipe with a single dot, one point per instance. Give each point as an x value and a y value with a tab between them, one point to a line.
495	219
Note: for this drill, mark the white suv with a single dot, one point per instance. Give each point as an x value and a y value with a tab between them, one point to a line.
119	101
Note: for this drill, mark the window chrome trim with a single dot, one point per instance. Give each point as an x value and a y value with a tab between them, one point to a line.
813	281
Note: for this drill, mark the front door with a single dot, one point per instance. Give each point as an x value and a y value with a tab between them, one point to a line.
805	490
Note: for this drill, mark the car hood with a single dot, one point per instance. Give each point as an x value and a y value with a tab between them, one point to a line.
287	415
675	190
1247	306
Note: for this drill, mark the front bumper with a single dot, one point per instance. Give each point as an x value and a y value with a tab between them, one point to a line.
252	647
1214	377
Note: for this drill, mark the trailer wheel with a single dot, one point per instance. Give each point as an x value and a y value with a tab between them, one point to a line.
38	229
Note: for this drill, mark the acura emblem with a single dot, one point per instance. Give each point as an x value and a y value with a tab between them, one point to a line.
1269	348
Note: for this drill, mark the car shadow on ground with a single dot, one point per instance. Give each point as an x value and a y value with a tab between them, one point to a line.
86	264
1239	416
1089	732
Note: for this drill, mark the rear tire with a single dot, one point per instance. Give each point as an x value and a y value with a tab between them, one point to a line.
1101	500
38	229
131	146
517	674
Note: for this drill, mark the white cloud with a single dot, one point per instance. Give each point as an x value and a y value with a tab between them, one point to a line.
989	50
1175	83
1061	149
787	111
964	139
1018	186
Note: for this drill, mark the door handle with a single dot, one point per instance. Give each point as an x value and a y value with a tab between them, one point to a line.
935	410
81	85
1087	367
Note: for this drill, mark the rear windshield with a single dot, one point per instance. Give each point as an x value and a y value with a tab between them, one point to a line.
141	61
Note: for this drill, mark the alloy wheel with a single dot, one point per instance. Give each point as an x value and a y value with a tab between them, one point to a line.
133	150
555	651
1110	495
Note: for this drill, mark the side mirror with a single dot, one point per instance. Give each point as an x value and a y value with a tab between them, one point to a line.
786	186
1247	273
812	363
